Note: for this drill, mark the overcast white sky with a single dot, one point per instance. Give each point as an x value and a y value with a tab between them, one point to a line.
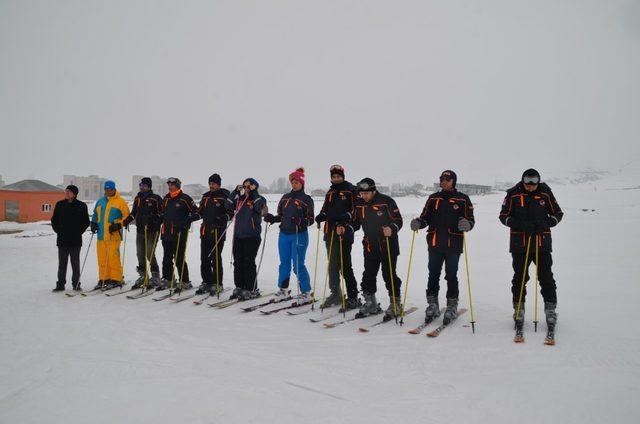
395	90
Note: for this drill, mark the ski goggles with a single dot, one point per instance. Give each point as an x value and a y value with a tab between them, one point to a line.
174	181
365	186
446	178
531	180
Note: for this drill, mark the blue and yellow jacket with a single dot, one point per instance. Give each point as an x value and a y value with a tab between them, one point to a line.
110	210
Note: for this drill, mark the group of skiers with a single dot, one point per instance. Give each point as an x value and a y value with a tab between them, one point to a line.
529	210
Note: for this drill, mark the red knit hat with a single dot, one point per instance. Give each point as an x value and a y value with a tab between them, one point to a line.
297	175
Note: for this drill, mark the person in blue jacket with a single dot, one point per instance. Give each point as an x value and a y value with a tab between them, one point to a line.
295	214
250	207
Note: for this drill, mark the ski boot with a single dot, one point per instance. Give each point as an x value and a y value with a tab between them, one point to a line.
216	290
334	299
100	285
552	318
394	310
451	313
248	294
112	284
204	288
351	303
370	306
281	294
163	285
433	309
184	285
141	278
236	293
59	287
518	315
303	298
154	281
76	286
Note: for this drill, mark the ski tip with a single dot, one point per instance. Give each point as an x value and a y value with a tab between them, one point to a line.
363	330
432	334
518	339
414	331
550	342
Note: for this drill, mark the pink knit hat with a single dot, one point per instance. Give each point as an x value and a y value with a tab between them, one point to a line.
297	175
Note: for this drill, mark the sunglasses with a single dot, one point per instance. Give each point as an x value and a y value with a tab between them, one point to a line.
446	178
172	181
531	180
364	186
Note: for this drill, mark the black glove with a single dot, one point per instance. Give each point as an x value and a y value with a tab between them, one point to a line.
114	227
464	224
94	227
127	221
513	223
529	227
415	224
269	218
320	218
551	221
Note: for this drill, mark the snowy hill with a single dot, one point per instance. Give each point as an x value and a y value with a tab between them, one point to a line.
104	360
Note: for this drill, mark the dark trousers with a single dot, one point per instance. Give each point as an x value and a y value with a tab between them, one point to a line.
371	268
211	257
172	249
547	283
244	262
64	255
335	266
450	261
144	252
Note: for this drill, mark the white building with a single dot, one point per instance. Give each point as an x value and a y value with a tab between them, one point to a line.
89	188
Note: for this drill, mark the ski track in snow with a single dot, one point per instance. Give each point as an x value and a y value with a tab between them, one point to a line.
106	360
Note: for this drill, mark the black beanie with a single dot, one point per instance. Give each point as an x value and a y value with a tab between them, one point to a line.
530	173
73	189
449	173
215	178
146	181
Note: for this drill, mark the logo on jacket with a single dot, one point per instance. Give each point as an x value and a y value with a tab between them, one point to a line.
379	213
456	207
542	203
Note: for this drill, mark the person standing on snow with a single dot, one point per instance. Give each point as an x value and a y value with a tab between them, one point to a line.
109	214
250	206
69	221
448	213
179	210
530	210
216	210
337	213
380	219
147	209
295	214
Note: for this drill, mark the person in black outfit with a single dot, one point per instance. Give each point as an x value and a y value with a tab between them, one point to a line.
448	213
337	214
215	209
380	219
147	208
250	207
178	211
69	221
530	210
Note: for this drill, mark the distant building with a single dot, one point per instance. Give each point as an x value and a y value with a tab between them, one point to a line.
159	185
1	181
468	189
28	201
194	190
89	188
318	193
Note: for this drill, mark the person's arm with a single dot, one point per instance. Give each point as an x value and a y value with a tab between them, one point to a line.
55	219
395	216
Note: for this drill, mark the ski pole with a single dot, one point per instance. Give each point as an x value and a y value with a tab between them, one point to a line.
524	274
173	265
466	260
326	278
535	319
124	256
342	280
297	264
85	257
393	289
217	266
184	259
406	284
153	253
315	271
264	242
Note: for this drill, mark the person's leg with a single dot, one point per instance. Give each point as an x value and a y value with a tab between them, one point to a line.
74	255
181	256
547	282
115	264
349	277
151	254
390	276
251	251
141	252
206	260
518	264
63	255
436	259
101	252
238	263
371	268
217	263
333	253
285	250
168	248
451	275
299	265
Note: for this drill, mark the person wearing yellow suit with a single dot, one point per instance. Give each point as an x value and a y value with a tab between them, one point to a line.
108	215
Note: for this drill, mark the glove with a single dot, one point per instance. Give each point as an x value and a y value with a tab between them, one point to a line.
513	223
464	224
269	218
114	227
320	219
127	221
416	224
551	221
94	227
529	227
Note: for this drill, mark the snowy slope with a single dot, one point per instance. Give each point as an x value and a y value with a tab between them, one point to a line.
106	360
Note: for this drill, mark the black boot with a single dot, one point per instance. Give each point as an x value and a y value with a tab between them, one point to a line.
59	287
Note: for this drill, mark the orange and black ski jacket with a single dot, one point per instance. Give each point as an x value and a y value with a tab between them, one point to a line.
179	210
215	210
441	213
381	211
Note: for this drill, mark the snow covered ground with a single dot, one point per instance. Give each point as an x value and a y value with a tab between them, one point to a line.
114	360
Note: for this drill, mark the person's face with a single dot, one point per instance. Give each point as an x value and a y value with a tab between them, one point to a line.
109	192
530	187
172	187
337	179
296	185
144	188
68	194
248	186
367	196
214	186
446	183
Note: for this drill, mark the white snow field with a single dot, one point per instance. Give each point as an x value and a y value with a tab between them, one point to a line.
112	360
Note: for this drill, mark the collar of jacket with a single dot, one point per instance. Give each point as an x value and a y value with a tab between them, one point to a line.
345	185
176	193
